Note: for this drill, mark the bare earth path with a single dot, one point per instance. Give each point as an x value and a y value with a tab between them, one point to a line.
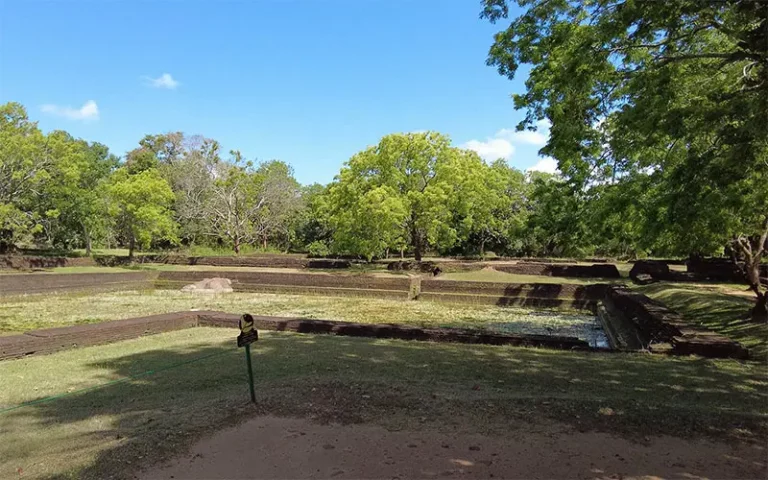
269	447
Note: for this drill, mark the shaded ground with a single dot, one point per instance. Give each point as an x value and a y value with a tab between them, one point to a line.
269	447
187	384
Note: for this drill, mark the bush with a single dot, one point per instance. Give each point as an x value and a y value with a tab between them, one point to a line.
318	249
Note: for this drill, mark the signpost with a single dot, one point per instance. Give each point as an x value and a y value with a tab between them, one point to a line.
247	336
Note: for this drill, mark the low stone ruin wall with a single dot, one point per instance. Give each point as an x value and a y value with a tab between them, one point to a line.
39	342
644	272
414	288
721	269
50	340
518	294
395	287
263	261
299	283
583	271
35	283
17	262
662	330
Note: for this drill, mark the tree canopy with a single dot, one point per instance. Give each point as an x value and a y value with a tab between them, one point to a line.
658	109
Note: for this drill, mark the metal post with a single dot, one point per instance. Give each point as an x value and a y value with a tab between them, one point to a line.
250	372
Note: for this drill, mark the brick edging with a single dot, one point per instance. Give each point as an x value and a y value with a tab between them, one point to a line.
45	341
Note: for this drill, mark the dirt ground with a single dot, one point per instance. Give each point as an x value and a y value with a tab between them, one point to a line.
270	447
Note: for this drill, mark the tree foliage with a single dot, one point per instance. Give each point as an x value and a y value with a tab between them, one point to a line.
410	189
671	97
140	205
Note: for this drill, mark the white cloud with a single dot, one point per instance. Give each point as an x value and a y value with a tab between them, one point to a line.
525	136
492	149
163	81
502	144
89	111
546	164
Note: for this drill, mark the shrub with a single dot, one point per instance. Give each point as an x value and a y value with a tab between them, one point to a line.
318	249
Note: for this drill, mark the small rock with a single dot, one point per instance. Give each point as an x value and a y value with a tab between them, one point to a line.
474	448
328	446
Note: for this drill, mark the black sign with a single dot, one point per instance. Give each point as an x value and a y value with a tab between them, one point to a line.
248	334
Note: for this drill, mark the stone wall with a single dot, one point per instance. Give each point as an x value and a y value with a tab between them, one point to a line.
18	262
263	261
603	270
51	340
662	330
39	342
414	287
33	283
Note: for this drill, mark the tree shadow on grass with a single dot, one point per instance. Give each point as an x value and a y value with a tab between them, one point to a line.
134	424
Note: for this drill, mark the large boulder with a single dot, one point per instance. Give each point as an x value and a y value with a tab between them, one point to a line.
210	285
649	268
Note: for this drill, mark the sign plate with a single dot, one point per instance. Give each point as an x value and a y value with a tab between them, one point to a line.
248	334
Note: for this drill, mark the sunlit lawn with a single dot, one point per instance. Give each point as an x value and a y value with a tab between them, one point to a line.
198	384
18	314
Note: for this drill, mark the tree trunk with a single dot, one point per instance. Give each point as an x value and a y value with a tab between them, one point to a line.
753	249
87	238
417	248
482	249
131	247
417	241
236	245
760	310
264	243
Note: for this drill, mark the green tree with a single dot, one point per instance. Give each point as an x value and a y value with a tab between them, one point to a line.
673	92
25	162
140	206
498	210
425	182
72	206
311	224
280	201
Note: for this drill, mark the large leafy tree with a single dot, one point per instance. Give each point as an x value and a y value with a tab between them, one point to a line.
72	206
675	92
140	205
413	185
25	161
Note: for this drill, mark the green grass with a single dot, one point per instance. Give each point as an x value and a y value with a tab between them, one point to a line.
20	314
711	307
460	388
489	275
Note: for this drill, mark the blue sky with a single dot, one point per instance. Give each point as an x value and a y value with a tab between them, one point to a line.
310	82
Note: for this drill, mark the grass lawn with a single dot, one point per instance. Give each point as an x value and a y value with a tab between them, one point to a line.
196	383
712	307
18	314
